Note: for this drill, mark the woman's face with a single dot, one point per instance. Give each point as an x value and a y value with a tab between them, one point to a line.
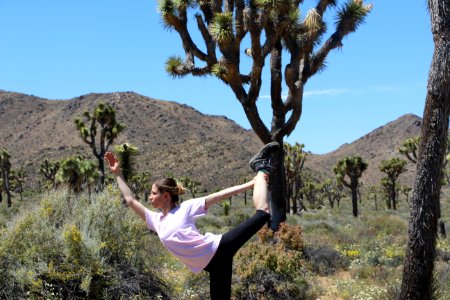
156	198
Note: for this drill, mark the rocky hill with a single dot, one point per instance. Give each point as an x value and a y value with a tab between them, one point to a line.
172	138
374	147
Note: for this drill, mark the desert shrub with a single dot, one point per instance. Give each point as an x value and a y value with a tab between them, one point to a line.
196	286
442	279
360	290
75	247
210	223
272	267
389	225
443	250
235	219
324	260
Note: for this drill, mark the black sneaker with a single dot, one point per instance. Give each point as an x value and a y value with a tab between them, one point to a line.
262	160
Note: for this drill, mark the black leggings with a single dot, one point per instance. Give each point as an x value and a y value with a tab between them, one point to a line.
221	265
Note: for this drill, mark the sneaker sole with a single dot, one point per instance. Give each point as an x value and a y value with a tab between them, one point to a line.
263	149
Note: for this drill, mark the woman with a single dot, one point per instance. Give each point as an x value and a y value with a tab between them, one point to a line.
175	224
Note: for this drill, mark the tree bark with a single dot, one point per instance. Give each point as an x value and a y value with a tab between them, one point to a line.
422	231
277	194
354	188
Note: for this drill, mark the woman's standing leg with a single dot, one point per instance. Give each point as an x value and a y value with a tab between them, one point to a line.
220	278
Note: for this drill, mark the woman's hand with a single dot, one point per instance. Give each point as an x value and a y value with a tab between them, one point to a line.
113	163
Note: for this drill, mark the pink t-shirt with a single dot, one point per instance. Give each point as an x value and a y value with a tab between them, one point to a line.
179	235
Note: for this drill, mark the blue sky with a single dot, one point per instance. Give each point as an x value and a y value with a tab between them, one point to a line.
61	49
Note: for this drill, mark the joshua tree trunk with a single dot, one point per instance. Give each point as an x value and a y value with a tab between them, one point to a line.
354	188
6	187
422	231
277	184
393	195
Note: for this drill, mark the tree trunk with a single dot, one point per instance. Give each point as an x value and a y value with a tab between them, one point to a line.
393	195
277	191
289	195
422	231
442	231
354	188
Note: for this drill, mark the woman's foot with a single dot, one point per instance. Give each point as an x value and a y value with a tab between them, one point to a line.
262	160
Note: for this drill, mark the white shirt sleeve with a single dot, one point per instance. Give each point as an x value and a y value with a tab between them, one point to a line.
151	219
195	207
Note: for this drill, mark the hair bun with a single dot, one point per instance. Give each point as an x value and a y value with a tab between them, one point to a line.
180	190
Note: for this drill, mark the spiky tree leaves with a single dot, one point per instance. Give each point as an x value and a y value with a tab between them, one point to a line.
126	153
409	148
5	168
275	29
77	173
18	180
104	117
310	190
422	231
49	169
353	168
190	184
141	183
293	163
393	168
332	190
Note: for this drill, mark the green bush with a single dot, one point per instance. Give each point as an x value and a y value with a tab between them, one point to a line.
272	267
74	247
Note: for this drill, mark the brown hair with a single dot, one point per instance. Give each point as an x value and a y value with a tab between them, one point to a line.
171	186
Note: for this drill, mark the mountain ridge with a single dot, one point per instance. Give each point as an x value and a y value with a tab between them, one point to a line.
172	138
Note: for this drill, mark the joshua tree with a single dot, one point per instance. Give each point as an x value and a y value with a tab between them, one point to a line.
422	231
140	183
373	193
293	164
125	153
77	172
310	190
393	168
351	167
274	29
409	148
49	170
330	189
17	180
190	184
5	167
243	179
104	116
405	191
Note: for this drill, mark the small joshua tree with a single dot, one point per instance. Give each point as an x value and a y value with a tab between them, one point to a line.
393	168
49	170
5	167
351	167
126	153
103	116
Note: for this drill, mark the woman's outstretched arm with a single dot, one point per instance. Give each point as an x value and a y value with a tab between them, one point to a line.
227	193
135	205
